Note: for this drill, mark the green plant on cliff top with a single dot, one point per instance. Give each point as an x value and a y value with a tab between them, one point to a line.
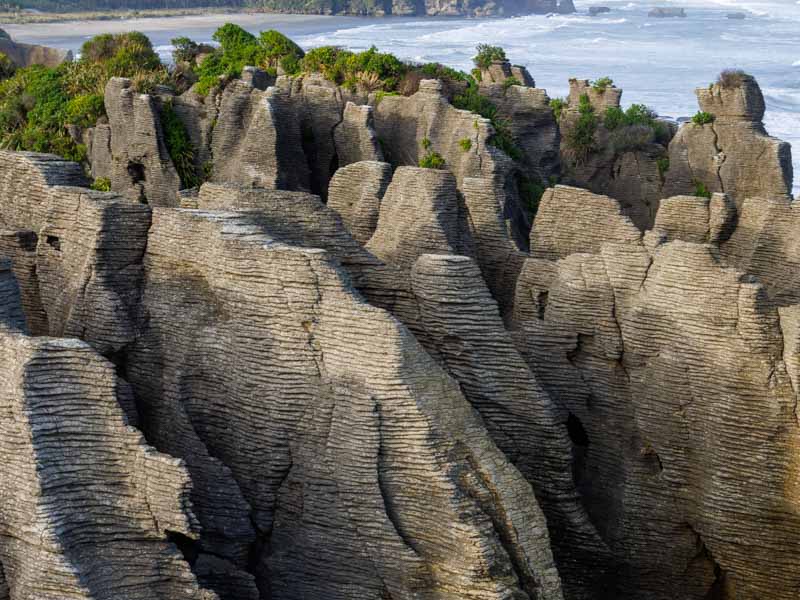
487	54
663	166
732	78
702	118
432	160
602	84
509	81
580	139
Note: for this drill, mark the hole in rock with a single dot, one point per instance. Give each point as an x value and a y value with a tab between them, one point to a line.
28	240
136	172
576	431
187	546
541	304
54	242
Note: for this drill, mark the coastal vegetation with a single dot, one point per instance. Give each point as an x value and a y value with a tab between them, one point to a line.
702	118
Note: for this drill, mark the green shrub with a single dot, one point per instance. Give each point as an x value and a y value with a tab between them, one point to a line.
530	192
702	118
426	143
278	47
509	81
179	146
380	95
432	160
631	137
101	184
614	117
700	189
487	55
439	71
558	105
580	139
663	166
472	100
350	68
602	84
732	78
7	66
84	110
465	144
185	50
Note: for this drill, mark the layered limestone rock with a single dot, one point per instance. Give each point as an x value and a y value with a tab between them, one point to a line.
140	166
87	509
532	125
501	70
355	137
77	253
626	163
249	122
460	323
420	213
733	154
407	124
355	192
260	385
674	371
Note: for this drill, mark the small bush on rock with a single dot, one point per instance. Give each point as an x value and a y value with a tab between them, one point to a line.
580	140
179	146
465	144
488	54
702	118
101	184
732	78
558	105
700	189
509	81
602	84
432	160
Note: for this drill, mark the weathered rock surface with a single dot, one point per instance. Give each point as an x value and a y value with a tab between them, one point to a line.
734	154
308	498
675	373
420	213
355	139
140	165
355	193
249	121
86	507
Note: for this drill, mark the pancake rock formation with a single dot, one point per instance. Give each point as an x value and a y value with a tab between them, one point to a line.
326	372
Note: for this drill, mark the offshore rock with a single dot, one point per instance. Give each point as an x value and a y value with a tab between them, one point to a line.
25	55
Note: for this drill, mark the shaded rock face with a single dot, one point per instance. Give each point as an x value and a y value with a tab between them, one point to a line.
674	368
74	472
355	193
734	154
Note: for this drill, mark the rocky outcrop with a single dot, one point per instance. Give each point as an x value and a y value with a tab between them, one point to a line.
420	214
313	503
355	193
354	138
77	253
88	508
643	345
626	163
733	154
250	120
140	166
25	55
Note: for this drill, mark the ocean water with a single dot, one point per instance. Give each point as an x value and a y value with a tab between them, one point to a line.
658	62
